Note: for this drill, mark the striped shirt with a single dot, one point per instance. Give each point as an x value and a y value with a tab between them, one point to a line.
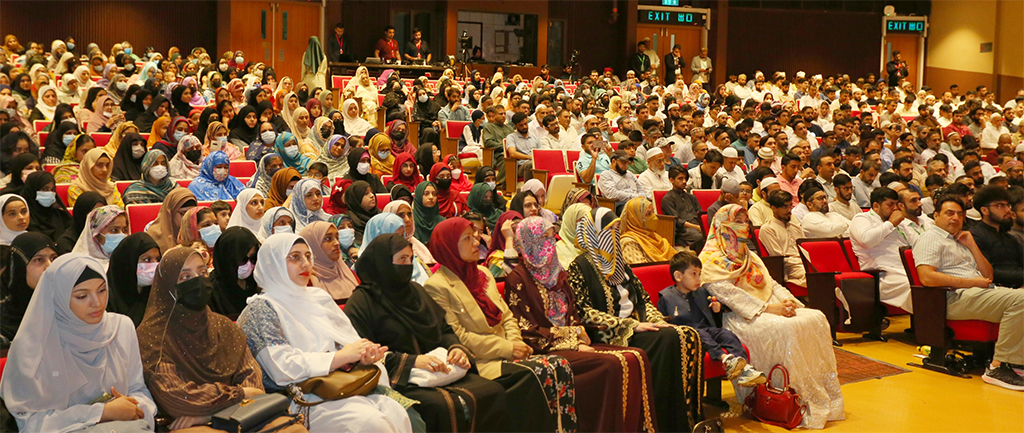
938	248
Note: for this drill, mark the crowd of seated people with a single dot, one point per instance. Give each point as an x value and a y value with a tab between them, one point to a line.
233	288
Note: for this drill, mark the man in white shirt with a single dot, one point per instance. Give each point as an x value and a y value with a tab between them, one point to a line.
819	222
730	166
915	222
811	99
843	204
876	240
619	184
934	142
555	138
800	133
537	128
655	177
826	172
565	121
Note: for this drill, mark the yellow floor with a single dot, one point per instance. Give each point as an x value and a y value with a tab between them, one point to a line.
918	401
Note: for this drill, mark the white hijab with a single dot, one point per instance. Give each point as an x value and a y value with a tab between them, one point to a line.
56	355
418	248
7	235
267	222
47	110
354	125
240	217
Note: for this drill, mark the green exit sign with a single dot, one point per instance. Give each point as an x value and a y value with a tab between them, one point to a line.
673	18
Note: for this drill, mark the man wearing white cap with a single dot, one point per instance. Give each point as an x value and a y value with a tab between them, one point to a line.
990	135
761	212
730	166
655	178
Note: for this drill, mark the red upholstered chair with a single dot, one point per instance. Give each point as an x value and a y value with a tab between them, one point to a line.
501	287
659	195
242	168
101	138
49	167
183	183
382	200
3	363
122	186
548	163
450	137
40	124
571	156
828	268
62	191
141	214
932	328
706	197
705	224
386	178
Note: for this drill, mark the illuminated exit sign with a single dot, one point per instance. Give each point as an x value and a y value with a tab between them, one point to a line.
674	18
904	26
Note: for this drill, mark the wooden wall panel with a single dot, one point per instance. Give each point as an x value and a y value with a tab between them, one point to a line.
588	30
160	24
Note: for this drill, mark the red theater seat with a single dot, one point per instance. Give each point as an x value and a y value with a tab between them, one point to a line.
382	200
659	195
122	186
101	138
141	214
242	168
706	197
62	191
827	269
653	277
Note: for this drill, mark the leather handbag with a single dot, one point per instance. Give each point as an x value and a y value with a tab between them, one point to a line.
252	413
776	406
339	384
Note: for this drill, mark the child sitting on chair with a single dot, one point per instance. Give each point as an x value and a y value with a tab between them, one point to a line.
688	303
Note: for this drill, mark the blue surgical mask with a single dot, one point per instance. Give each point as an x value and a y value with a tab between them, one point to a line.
128	51
111	241
46	198
383	155
178	135
210	235
346	237
67	139
71	46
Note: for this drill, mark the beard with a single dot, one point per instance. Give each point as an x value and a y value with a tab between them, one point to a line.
824	208
914	212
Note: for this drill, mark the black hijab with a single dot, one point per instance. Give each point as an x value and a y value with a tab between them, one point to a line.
54	144
182	108
279	124
51	221
232	251
392	288
354	204
126	297
204	122
6	129
85	204
58	116
17	164
137	108
152	86
145	120
353	174
425	157
15	293
126	166
240	130
399	191
251	100
90	98
127	103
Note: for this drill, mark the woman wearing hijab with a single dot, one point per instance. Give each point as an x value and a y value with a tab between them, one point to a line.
425	211
213	181
332	274
205	120
58	141
608	294
195	361
606	378
21	167
381	159
164	229
460	180
269	165
323	129
233	262
128	158
237	89
359	169
391	309
88	106
217	140
354	125
481	201
398	132
71	163
129	291
154	183
72	353
405	172
158	108
105	228
16	219
67	91
49	215
281	185
774	324
46	105
248	211
362	87
158	134
420	251
95	176
303	133
334	154
186	161
276	220
307	203
536	187
293	329
19	280
176	130
86	203
361	204
449	203
119	135
287	146
131	104
117	87
426	156
640	242
539	388
102	118
381	223
501	254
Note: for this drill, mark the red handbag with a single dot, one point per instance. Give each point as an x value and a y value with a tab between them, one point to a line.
779	407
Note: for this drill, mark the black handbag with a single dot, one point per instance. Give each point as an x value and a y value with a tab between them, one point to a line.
252	413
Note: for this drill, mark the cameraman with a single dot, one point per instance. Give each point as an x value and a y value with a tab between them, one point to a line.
417	49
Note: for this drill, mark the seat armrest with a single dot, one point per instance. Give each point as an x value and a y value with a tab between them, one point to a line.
606	202
930	314
776	266
541	175
488	156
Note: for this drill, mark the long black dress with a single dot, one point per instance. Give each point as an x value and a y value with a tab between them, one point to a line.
396	312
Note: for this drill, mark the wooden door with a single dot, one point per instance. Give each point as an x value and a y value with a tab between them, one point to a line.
252	30
656	33
908	46
689	40
296	23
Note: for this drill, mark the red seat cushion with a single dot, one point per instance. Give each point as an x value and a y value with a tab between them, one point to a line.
974	330
141	214
796	290
501	288
852	276
654	278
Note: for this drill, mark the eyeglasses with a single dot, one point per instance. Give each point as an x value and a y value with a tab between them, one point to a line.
298	257
999	205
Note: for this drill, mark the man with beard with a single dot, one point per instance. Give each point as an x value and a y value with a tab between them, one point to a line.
993	237
876	237
619	184
916	222
844	203
779	236
1017	204
904	167
819	222
1014	172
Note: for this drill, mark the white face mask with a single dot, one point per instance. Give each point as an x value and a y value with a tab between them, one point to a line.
239	60
223	67
245	271
25	173
283	229
291	151
108	113
268	137
122	86
158	172
145	273
493	185
220	174
422	99
363	168
457	173
138	151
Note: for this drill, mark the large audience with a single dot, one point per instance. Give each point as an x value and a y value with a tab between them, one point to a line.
233	289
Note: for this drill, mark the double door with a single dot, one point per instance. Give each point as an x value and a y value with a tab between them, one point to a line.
663	38
274	33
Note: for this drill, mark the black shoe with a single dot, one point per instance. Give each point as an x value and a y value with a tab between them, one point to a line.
1004	376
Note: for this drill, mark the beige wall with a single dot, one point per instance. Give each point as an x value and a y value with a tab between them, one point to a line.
1010	36
955	34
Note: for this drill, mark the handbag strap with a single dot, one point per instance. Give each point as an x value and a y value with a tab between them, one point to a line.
785	375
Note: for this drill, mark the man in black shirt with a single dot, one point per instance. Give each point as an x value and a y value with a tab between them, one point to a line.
417	49
640	63
897	69
992	234
684	206
337	45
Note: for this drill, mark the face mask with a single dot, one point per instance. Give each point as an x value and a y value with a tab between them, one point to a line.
288	192
128	67
215	84
363	167
383	155
71	46
291	151
221	141
268	137
194	155
220	174
108	113
245	271
133	98
144	106
138	151
46	198
67	139
271	172
457	173
210	235
128	51
239	60
194	294
145	273
444	183
283	229
492	185
422	99
158	172
98	68
178	135
122	86
326	133
111	241
399	135
25	173
403	272
346	237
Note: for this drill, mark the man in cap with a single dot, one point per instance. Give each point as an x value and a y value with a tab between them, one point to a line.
730	166
730	194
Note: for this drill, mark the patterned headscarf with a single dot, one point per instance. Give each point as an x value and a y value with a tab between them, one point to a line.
98	220
601	243
726	257
567	248
538	251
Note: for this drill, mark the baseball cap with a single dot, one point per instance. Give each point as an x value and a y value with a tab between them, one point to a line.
622	155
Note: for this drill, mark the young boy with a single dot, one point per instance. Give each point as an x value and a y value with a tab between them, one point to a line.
222	210
688	303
